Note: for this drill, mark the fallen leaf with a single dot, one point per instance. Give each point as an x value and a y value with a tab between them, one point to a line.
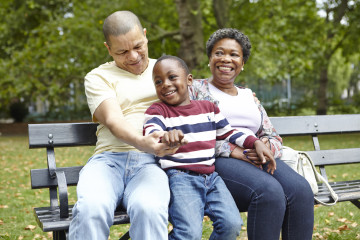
206	219
331	214
343	227
1	222
351	214
341	219
4	206
170	227
345	175
354	224
30	227
327	221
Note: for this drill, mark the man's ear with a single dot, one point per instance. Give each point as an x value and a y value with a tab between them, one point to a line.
144	32
107	47
189	79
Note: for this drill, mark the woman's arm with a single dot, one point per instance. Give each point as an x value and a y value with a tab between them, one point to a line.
268	131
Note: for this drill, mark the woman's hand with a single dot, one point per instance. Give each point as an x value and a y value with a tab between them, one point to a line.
247	155
266	155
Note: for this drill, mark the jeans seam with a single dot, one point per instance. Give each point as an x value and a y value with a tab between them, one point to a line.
287	208
256	208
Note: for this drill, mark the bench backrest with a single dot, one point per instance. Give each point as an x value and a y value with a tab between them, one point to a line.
62	135
314	125
54	135
318	125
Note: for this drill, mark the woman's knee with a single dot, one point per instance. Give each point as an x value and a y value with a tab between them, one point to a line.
270	194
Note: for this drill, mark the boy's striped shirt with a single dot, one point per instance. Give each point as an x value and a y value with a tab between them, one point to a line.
202	124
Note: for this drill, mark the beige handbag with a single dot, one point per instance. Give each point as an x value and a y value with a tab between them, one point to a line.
303	165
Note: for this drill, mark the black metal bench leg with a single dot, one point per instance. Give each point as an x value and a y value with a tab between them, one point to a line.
356	203
60	235
126	236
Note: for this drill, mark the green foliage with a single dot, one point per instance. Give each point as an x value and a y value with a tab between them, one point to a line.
47	47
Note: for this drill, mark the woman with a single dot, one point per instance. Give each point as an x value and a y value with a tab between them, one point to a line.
282	201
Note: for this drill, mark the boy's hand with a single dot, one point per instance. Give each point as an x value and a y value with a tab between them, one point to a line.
174	139
265	154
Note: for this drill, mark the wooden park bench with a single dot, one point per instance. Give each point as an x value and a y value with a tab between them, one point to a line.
314	126
57	216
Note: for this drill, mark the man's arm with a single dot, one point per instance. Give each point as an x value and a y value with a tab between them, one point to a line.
109	114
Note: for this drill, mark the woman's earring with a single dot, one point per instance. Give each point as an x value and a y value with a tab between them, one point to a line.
242	69
209	65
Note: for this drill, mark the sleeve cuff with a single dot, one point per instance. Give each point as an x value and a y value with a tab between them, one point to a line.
249	142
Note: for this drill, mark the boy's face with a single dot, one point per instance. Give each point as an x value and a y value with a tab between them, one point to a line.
171	82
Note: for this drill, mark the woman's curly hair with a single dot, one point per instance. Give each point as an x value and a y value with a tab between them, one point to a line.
231	33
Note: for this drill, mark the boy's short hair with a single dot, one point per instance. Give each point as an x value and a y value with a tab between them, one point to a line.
179	60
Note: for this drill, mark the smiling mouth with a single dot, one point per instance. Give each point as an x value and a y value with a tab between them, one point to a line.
225	69
169	93
135	63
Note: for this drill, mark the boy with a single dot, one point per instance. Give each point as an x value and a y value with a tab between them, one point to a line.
196	189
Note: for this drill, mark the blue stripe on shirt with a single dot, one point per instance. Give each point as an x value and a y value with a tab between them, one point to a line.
156	121
186	160
235	136
194	128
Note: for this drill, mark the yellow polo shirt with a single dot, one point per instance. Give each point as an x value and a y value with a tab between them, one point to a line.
135	93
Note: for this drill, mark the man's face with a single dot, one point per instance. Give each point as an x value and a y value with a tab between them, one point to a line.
130	50
171	82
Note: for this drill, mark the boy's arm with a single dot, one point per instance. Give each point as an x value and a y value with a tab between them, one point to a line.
110	114
225	132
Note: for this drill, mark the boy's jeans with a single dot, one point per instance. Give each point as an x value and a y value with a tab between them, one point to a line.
132	179
192	195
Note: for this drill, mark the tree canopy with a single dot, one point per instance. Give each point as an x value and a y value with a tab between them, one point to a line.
47	47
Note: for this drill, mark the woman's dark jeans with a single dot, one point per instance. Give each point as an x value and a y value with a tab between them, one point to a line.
280	202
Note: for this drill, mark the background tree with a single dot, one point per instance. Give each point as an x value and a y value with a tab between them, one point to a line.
47	47
341	24
191	31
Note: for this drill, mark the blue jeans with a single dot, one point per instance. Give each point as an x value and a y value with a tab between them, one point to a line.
194	195
280	202
132	179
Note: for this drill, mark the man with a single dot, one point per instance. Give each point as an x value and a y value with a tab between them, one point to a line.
118	93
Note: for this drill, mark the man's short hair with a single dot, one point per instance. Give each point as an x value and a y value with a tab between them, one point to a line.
118	23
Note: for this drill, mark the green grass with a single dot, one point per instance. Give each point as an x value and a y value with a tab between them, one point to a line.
17	200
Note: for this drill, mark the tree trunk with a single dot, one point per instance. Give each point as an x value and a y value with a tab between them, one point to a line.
221	12
338	13
192	41
322	98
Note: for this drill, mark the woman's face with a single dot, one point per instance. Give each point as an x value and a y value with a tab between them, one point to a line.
226	61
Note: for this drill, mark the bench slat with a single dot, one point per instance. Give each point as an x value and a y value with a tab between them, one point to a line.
62	134
335	156
346	191
40	178
49	218
321	124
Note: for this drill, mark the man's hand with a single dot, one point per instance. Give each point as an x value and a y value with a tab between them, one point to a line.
163	143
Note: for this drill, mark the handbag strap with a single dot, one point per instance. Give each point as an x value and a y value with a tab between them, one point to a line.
320	178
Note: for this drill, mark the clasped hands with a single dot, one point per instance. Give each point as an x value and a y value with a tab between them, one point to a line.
167	142
258	156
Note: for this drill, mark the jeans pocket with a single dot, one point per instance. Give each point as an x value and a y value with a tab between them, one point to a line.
173	172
